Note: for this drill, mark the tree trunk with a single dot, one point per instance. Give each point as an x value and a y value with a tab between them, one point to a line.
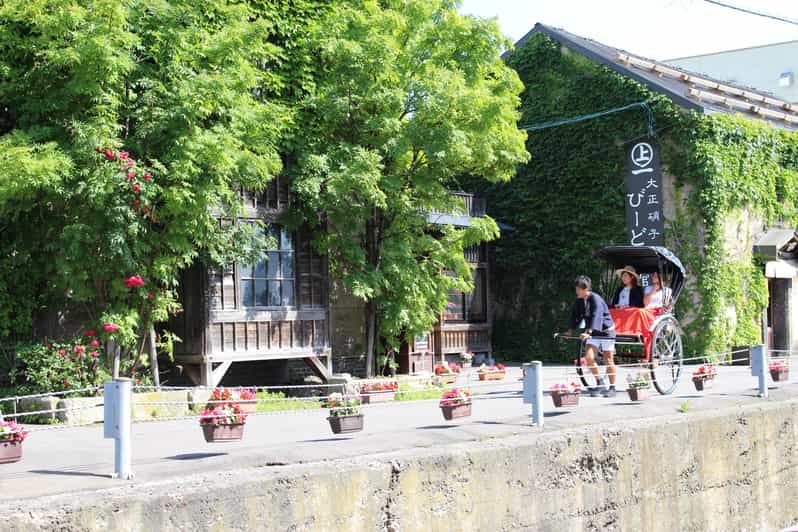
156	377
371	332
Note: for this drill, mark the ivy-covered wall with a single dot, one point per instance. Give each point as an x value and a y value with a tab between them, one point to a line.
569	200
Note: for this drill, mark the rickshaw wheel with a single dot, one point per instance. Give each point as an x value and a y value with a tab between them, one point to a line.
666	355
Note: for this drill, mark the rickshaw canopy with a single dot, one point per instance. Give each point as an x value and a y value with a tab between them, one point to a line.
647	259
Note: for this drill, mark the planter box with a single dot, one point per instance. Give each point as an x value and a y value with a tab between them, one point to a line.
248	407
565	399
378	397
448	378
346	424
455	411
220	433
780	375
702	384
10	452
638	394
491	375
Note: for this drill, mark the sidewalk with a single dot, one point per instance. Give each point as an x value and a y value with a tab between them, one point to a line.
76	459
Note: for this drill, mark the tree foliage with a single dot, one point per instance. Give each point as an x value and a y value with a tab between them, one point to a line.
408	96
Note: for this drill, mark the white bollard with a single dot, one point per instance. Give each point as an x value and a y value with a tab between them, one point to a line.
759	367
117	424
533	390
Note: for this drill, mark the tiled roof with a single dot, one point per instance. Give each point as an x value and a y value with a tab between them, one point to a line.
686	89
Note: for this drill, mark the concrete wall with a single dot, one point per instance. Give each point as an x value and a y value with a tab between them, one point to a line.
731	469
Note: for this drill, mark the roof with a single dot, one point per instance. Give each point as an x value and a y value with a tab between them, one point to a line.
734	50
686	89
645	259
773	243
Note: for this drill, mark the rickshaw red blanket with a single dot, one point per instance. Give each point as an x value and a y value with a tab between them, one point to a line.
632	321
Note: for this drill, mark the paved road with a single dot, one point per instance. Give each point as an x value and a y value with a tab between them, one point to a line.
72	459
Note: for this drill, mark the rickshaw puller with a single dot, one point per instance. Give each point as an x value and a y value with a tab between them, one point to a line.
599	333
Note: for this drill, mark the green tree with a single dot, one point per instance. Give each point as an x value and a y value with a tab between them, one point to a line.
199	93
408	96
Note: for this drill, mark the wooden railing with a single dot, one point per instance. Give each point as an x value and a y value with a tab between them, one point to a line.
474	206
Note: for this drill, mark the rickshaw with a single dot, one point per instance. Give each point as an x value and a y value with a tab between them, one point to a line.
651	338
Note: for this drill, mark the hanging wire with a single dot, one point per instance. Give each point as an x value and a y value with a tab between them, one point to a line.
645	105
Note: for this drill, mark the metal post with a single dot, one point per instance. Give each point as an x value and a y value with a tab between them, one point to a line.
117	424
533	390
759	367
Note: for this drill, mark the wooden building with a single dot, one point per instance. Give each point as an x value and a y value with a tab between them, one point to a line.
279	308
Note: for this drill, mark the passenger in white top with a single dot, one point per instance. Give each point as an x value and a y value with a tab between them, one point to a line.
657	296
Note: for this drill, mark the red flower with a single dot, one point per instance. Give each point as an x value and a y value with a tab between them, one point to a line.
79	349
109	155
90	332
95	343
131	175
66	382
147	176
150	294
62	352
134	281
123	155
94	354
110	327
136	202
136	189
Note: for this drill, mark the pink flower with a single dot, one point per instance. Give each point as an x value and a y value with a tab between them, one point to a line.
131	175
62	352
90	332
66	382
94	354
123	155
147	176
79	349
110	327
95	343
109	155
134	281
150	294
136	189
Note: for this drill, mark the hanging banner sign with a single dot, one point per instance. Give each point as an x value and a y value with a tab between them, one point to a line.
645	224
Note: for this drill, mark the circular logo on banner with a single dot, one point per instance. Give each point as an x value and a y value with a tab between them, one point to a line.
642	154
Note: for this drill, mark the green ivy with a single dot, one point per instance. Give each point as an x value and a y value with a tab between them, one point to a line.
568	201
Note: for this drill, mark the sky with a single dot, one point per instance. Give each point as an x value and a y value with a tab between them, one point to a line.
657	29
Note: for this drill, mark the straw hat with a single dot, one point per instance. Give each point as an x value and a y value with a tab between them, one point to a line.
630	270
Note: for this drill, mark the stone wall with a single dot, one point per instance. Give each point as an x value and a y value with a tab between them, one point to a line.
730	469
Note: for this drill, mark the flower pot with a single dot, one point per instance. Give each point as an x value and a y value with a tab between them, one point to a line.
702	383
780	375
384	396
10	452
565	399
249	406
638	394
220	433
448	378
491	375
451	412
346	424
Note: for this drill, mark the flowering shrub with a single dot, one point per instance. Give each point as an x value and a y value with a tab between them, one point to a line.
222	409
10	431
484	368
246	394
706	371
572	387
638	381
455	397
378	386
779	365
58	367
342	405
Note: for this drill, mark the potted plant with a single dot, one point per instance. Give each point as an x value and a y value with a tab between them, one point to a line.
247	399
638	386
377	392
704	376
455	403
446	373
222	419
466	359
491	373
779	370
345	415
11	438
565	394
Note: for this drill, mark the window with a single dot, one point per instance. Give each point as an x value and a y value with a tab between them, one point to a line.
270	282
465	306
